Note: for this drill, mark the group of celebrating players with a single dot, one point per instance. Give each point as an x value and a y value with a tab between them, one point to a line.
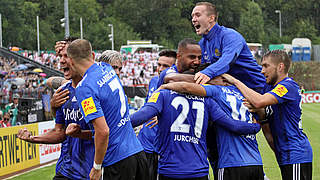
208	102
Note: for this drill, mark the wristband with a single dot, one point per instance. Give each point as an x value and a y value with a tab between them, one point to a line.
96	166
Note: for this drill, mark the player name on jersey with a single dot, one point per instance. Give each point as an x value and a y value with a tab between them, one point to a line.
188	96
185	138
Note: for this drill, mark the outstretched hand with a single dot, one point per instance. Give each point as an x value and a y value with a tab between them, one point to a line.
230	79
201	78
25	135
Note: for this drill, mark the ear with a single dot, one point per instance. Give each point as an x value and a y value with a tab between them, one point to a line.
281	67
212	18
93	56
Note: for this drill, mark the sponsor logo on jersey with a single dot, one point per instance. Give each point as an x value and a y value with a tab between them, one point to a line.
154	97
280	90
74	99
88	106
72	114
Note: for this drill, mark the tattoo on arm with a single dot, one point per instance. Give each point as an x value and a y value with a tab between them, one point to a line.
57	82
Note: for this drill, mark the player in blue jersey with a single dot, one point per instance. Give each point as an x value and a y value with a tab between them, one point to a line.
104	105
188	58
147	135
283	98
75	161
238	156
224	48
181	135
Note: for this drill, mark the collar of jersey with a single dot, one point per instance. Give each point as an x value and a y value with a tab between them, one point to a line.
212	32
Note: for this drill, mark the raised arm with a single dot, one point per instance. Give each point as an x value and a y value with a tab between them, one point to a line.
55	82
185	87
222	119
143	115
177	77
256	99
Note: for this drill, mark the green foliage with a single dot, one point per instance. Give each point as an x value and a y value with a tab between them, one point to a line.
164	22
251	23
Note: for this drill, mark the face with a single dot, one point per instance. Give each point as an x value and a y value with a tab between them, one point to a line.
269	70
15	100
201	21
65	64
189	58
164	62
117	66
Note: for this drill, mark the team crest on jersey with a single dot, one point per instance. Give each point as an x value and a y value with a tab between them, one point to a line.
217	52
88	106
154	97
280	90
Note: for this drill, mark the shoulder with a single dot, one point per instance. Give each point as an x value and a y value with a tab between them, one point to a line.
66	85
154	79
229	32
286	86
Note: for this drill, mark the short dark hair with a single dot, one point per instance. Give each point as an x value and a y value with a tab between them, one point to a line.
211	9
70	39
79	49
279	56
183	43
168	53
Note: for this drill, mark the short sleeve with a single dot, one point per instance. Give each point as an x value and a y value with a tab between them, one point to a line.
211	90
156	100
89	103
285	91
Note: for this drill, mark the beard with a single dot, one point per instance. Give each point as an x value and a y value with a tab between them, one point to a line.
273	79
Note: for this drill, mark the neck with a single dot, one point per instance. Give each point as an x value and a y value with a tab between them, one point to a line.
75	81
84	66
210	27
281	78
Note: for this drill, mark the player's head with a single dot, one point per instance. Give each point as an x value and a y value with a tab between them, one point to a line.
218	80
204	17
64	59
80	54
113	58
166	59
275	65
188	56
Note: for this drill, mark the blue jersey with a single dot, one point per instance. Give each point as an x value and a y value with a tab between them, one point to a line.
228	52
147	135
77	155
234	150
183	121
100	93
172	69
291	144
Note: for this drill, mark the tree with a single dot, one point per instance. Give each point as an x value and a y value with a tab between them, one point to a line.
251	23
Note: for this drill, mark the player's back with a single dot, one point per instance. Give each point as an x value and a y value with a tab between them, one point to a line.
234	150
180	140
101	94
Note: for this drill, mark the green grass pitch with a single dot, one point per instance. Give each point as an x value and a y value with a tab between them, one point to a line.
311	125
